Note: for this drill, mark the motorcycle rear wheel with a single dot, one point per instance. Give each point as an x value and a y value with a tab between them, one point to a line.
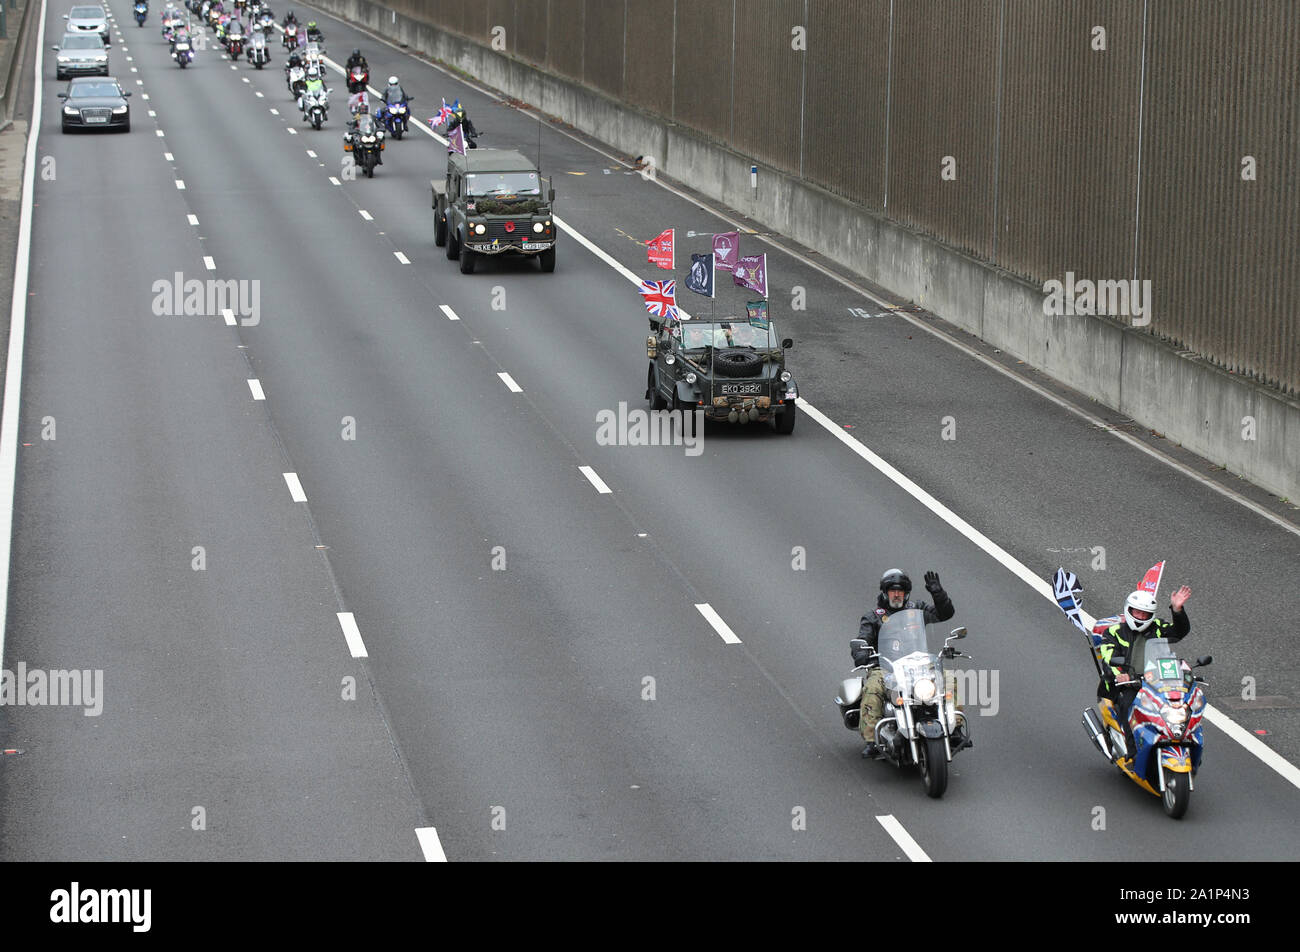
1177	795
934	766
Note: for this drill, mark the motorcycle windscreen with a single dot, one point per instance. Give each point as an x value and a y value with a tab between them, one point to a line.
902	634
1161	669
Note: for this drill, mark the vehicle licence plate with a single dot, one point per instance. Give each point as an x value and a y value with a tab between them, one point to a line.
536	245
742	388
97	119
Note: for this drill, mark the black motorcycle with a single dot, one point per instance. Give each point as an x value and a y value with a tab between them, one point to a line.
365	142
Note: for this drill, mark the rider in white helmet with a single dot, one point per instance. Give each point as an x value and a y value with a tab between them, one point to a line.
1123	646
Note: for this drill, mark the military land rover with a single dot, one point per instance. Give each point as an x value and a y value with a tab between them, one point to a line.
491	203
733	369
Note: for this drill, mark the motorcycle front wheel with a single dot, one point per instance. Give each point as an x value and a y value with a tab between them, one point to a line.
1177	795
934	766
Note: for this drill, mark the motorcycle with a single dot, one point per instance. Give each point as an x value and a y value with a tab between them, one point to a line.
290	38
297	80
1161	749
258	54
358	79
235	44
395	116
266	24
921	716
141	10
182	52
365	142
315	107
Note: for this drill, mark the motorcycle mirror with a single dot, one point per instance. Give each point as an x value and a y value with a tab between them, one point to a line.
126	92
1203	661
957	633
787	344
63	95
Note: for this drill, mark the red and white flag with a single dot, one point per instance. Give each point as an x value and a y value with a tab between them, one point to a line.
1151	581
660	251
660	298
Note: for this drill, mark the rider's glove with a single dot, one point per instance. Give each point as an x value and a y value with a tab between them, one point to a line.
932	583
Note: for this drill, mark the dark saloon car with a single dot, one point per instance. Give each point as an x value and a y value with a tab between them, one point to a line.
95	104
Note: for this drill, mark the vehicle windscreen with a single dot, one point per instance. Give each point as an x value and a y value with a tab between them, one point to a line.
93	90
80	41
87	13
1160	667
366	125
902	634
504	185
739	334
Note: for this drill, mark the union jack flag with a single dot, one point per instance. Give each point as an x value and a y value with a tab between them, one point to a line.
443	115
660	298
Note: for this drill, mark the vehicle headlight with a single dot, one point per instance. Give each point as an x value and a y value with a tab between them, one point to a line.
537	227
367	138
670	360
71	111
785	376
480	229
691	378
63	59
923	690
101	58
1174	716
119	110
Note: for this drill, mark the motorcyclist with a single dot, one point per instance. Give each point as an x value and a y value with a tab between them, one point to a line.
394	92
895	587
461	118
289	17
356	59
314	85
1123	646
314	35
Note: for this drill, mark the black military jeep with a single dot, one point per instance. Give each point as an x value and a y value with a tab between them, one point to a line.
732	369
492	203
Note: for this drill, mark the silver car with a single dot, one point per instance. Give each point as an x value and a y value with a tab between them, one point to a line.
80	54
88	19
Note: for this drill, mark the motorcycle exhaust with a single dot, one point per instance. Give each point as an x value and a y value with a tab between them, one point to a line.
1093	728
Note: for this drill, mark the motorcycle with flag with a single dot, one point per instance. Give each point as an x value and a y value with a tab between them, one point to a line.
1155	739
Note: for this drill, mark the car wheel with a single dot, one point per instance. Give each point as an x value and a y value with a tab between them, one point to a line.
547	258
453	244
657	401
126	126
439	226
65	127
737	363
784	422
467	256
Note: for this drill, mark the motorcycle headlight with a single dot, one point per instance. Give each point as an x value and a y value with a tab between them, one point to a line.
367	138
537	227
923	690
480	229
1175	717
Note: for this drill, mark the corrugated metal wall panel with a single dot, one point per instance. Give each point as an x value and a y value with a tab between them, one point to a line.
649	71
531	19
703	82
603	39
565	37
768	91
943	104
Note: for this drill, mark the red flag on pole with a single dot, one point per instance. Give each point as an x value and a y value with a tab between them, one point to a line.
1151	581
660	251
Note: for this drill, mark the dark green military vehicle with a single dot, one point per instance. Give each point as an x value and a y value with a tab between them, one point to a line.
492	203
733	369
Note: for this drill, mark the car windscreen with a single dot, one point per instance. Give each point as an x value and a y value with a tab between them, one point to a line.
502	184
82	42
93	90
724	334
87	13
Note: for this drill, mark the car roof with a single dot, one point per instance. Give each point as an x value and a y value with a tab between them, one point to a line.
79	36
87	6
492	160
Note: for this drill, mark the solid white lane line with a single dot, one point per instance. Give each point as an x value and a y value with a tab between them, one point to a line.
720	626
17	334
229	316
903	839
255	385
194	219
209	263
451	315
353	635
594	480
509	381
401	257
295	487
361	211
334	181
430	845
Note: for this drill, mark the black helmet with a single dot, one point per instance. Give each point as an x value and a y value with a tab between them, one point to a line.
356	52
895	578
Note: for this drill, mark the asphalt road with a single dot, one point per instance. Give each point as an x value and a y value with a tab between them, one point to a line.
509	706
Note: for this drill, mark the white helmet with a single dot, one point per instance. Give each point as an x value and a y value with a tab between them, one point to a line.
392	80
1143	602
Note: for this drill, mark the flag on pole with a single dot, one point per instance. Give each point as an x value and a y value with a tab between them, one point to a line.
456	140
751	272
1067	589
659	251
443	115
757	313
700	280
726	247
1151	581
660	298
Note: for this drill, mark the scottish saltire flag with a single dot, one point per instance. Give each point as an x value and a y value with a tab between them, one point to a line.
1067	589
443	115
456	140
1151	581
700	280
751	272
660	298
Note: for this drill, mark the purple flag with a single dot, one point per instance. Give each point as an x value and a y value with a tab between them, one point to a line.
751	272
726	247
456	141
